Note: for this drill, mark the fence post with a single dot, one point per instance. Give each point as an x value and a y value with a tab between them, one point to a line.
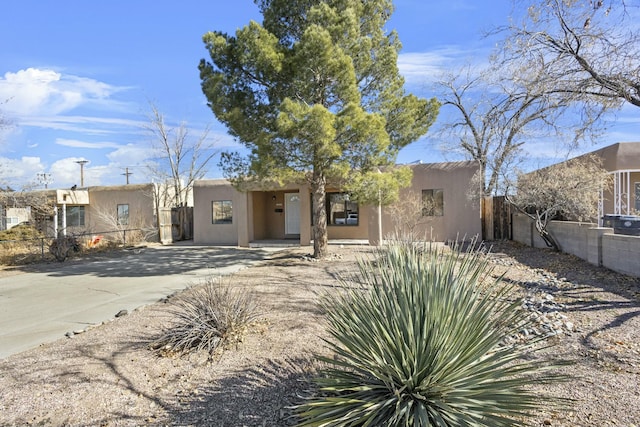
42	247
124	237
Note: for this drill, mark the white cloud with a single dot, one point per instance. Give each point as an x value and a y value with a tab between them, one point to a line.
84	144
47	92
130	155
428	67
22	170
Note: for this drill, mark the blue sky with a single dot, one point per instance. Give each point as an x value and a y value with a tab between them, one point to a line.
77	77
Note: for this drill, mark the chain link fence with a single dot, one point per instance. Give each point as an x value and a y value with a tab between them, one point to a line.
31	250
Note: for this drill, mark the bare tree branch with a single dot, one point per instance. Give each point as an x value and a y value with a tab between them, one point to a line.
180	158
585	48
498	110
568	190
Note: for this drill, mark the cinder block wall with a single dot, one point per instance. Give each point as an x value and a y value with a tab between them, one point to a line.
597	245
572	237
522	230
621	253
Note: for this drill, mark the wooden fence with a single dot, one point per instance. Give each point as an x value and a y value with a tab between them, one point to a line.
175	224
496	218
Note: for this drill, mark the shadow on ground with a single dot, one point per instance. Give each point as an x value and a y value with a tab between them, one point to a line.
578	283
153	261
261	396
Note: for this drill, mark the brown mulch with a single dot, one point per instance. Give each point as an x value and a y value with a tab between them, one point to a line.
109	377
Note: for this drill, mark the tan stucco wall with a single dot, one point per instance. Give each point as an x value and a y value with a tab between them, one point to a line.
204	231
257	216
101	213
620	156
461	219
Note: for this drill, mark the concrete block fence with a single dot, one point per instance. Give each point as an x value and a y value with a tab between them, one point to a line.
597	245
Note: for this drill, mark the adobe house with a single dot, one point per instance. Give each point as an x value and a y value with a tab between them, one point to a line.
130	206
99	209
622	160
434	206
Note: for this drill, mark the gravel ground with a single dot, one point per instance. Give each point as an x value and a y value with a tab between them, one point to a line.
107	376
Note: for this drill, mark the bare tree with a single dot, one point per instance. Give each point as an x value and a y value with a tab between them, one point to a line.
568	190
497	111
179	159
130	229
587	48
408	215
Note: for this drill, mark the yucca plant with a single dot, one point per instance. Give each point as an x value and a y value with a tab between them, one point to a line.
207	317
419	341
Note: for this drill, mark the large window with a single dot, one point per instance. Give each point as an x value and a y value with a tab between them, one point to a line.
222	212
123	214
433	202
75	216
341	210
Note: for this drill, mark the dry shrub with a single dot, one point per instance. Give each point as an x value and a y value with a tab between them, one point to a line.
21	244
208	317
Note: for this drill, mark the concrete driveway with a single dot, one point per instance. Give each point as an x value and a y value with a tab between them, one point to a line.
39	307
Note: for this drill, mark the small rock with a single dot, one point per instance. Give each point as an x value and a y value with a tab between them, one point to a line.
69	335
78	331
122	313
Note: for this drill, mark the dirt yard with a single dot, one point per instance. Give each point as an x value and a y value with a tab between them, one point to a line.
109	377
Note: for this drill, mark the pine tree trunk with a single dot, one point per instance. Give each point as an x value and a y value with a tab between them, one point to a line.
320	240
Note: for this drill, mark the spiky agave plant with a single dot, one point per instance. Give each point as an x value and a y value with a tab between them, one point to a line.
420	342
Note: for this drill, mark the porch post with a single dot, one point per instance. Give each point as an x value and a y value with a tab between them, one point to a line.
305	215
55	221
64	219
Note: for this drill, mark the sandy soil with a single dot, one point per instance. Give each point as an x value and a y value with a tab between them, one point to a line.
109	377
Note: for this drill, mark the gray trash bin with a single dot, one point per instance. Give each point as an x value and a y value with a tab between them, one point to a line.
623	224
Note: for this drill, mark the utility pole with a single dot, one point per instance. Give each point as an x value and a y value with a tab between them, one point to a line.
44	178
127	173
82	163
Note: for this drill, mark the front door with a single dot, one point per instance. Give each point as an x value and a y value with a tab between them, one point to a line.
291	213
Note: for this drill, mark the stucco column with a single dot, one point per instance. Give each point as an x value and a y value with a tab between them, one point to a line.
305	216
244	214
375	226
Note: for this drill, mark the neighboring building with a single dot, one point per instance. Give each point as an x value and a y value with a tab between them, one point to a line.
15	216
225	216
130	206
623	161
104	210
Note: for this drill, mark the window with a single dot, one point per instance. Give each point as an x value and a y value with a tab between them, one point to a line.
433	202
12	220
341	210
75	216
123	214
222	212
